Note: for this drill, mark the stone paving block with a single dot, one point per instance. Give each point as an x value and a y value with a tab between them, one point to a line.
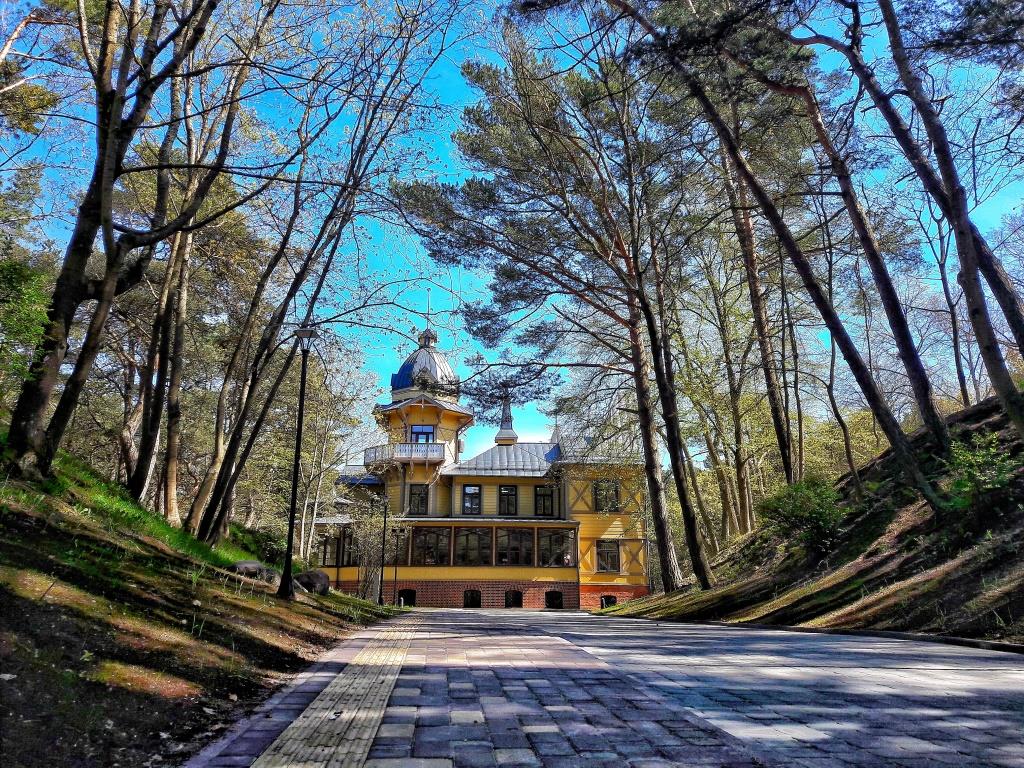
512	689
396	730
466	717
389	750
553	747
475	757
516	757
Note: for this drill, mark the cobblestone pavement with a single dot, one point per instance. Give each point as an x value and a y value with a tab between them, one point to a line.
800	699
512	689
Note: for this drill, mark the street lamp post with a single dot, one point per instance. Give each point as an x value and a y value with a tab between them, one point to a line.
306	337
399	535
383	556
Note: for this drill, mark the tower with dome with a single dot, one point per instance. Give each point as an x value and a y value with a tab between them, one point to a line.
521	525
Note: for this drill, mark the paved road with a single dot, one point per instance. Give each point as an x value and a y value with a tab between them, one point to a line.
554	690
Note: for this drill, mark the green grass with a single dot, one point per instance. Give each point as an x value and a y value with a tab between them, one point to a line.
355	609
121	634
110	505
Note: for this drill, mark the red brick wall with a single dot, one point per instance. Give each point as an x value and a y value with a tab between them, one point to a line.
449	594
590	594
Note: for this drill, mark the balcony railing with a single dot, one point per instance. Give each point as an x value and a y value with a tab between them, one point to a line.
404	452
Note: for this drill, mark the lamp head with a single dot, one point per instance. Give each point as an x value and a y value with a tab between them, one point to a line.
306	336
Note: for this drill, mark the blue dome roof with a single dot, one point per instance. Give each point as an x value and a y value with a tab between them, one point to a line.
426	364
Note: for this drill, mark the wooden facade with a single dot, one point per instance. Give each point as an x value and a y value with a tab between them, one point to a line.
520	525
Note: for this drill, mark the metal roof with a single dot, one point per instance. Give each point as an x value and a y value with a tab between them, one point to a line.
334	520
426	363
356	474
519	460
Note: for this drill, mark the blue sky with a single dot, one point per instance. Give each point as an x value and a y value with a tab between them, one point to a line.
386	351
389	247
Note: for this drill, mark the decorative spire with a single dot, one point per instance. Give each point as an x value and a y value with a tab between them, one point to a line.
506	435
427	337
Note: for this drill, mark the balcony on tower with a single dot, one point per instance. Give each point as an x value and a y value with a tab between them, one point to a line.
428	453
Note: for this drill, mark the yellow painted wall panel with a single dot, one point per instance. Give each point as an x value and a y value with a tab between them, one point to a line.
581	497
613	578
609	526
341	574
442	496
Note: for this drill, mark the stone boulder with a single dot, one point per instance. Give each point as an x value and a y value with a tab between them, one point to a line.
254	569
316	582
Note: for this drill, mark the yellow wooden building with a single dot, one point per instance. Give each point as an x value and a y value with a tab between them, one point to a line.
532	525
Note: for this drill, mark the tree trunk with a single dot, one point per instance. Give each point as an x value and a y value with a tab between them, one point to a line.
698	497
745	235
902	335
671	573
949	195
90	348
900	445
964	234
954	331
26	437
155	370
789	328
904	338
664	377
177	363
724	533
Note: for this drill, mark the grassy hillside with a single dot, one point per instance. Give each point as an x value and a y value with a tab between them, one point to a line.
122	640
895	565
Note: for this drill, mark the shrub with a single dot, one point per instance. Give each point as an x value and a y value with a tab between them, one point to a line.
269	547
23	302
977	468
808	511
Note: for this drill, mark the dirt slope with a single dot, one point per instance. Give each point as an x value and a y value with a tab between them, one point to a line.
897	566
123	642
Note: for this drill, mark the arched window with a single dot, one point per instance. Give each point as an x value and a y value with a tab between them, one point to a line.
471	598
513	598
553	599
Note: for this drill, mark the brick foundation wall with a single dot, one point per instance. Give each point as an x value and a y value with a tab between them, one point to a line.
591	594
449	594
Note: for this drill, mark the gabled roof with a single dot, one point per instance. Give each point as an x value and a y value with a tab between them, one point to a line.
425	400
519	460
